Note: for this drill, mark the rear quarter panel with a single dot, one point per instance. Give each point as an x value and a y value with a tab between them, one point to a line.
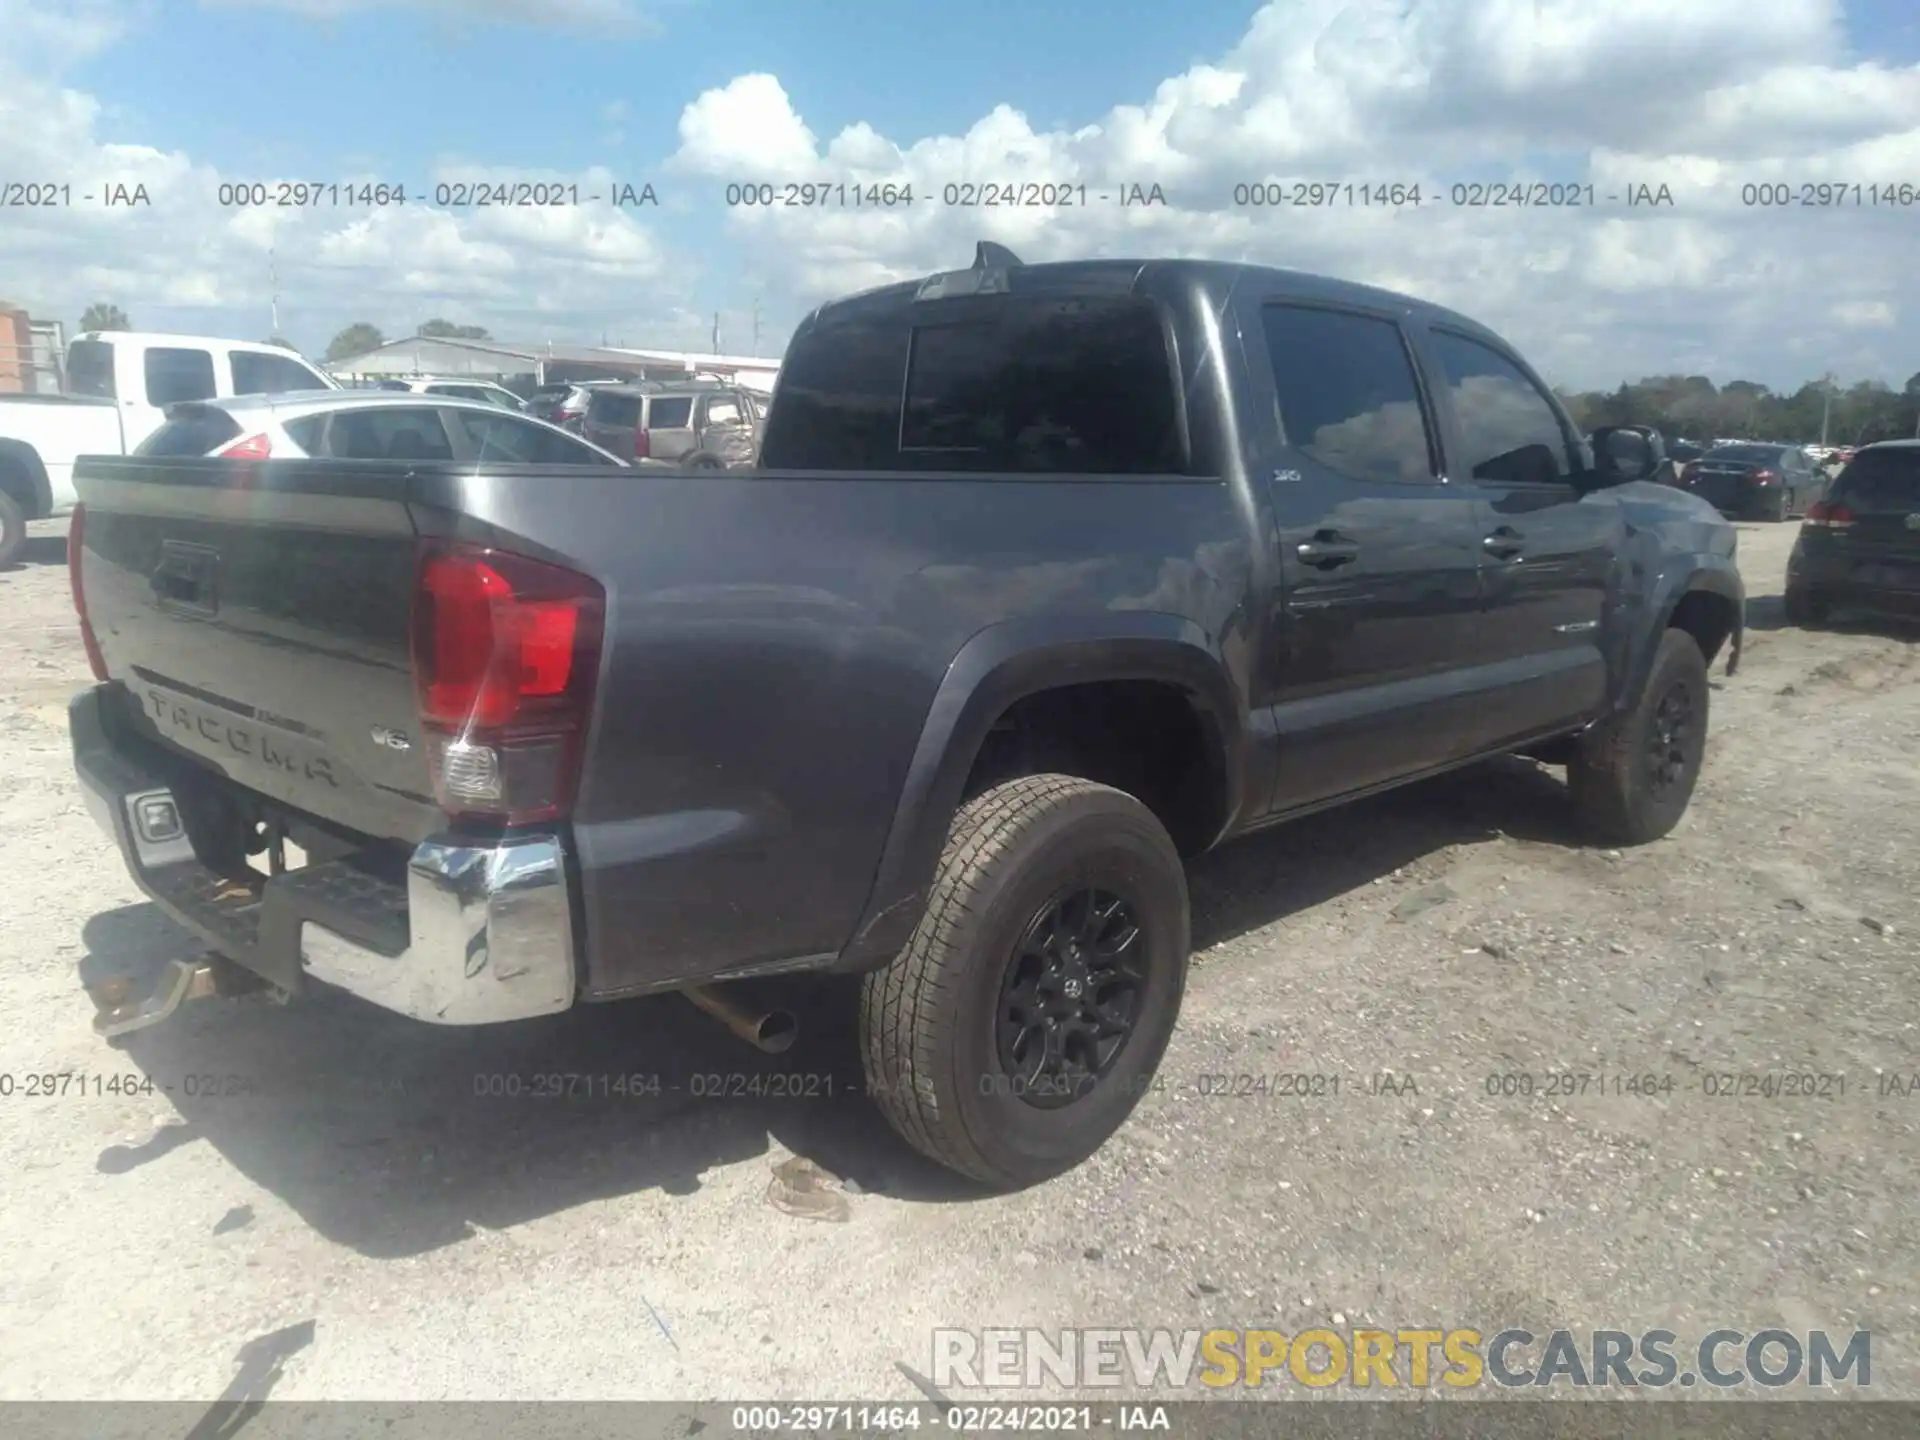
775	644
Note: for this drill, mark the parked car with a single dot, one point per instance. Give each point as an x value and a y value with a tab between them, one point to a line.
1133	558
1681	451
564	403
460	389
1755	480
1860	546
364	425
118	383
698	425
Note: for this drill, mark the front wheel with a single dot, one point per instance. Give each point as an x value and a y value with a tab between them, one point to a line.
1028	1013
1635	773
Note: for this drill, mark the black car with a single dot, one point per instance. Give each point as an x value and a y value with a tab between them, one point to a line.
1682	451
1755	481
1861	545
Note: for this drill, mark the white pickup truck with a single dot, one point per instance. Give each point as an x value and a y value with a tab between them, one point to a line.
118	385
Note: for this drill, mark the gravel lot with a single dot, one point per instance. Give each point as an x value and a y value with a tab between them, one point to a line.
444	1245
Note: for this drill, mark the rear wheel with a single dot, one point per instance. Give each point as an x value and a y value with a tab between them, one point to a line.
1028	1013
13	530
1635	773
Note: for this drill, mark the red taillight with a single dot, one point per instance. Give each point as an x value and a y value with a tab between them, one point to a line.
254	447
505	651
76	543
642	444
1764	477
1828	515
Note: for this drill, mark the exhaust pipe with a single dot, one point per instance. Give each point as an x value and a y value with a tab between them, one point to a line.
772	1031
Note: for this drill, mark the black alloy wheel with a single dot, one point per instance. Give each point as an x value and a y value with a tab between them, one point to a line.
1070	996
1671	740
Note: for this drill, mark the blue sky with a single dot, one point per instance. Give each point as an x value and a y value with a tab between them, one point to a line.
221	90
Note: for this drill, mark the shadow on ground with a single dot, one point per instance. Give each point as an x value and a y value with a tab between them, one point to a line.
394	1137
43	549
1768	612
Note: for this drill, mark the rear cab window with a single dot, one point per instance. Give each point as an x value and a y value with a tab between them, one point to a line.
177	375
1029	383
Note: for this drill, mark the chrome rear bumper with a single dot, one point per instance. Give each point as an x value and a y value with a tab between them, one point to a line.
474	935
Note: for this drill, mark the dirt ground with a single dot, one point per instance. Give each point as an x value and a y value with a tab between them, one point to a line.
324	1188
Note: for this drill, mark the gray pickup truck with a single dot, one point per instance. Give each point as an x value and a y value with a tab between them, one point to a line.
1048	576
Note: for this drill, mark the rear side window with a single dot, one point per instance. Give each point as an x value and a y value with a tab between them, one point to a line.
270	375
306	432
389	433
1746	454
725	411
502	438
606	408
174	376
1510	431
90	369
1881	482
670	412
1347	392
1031	385
196	432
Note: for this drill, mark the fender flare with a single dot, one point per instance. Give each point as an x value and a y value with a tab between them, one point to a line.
998	666
1688	575
19	452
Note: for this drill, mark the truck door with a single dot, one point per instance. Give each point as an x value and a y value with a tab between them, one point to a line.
1378	557
1546	555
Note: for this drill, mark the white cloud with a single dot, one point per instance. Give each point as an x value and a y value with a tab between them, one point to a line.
1619	95
1715	99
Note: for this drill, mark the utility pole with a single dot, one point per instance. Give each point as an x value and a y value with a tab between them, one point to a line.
756	327
1826	410
714	349
273	285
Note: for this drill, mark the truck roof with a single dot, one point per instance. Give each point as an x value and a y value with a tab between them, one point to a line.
1216	278
165	337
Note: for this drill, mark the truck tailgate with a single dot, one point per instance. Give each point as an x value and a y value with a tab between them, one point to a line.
257	617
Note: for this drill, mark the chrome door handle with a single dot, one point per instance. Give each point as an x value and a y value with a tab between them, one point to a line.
1325	554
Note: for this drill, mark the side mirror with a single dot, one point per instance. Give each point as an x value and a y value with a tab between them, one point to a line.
1622	454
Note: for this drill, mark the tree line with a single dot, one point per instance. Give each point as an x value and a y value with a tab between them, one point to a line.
1692	407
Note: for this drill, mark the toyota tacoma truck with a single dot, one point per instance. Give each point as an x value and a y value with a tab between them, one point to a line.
118	386
1047	577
